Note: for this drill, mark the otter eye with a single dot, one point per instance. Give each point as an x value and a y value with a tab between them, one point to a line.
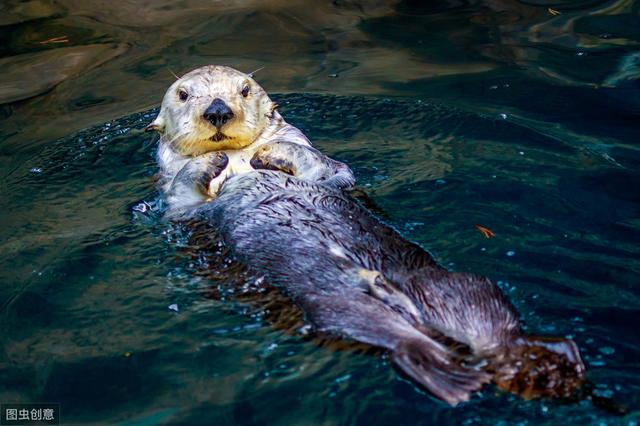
245	91
183	95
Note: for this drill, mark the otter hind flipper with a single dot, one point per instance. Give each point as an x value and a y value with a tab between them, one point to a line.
388	293
438	370
436	367
367	319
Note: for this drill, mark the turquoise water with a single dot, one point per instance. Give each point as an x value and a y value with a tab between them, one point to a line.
525	122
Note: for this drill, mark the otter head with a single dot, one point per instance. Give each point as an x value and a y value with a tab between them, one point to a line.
213	108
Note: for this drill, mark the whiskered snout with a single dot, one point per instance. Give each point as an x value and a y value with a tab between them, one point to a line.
214	108
218	113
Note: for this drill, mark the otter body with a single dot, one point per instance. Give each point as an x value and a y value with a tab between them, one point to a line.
227	157
356	278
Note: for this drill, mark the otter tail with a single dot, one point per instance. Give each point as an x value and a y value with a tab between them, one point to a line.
438	369
534	367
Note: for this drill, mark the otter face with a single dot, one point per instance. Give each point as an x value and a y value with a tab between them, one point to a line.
213	108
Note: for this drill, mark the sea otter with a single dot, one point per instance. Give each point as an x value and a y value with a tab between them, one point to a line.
216	122
353	276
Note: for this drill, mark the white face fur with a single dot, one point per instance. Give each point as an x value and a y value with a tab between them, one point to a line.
182	120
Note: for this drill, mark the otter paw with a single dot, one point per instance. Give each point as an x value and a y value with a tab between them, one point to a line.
262	161
217	162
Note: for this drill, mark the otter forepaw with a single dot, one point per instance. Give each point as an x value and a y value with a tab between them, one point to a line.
264	160
214	166
190	186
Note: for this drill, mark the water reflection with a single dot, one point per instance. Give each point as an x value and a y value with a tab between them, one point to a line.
70	64
521	116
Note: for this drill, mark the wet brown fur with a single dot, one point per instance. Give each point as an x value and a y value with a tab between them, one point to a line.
526	366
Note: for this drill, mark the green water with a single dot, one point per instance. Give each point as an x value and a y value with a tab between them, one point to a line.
505	114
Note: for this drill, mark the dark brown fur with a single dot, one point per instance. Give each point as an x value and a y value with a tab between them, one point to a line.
355	278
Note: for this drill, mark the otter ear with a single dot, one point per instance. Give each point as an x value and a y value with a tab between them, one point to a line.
274	107
156	125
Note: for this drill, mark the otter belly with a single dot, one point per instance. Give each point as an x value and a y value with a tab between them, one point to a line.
356	278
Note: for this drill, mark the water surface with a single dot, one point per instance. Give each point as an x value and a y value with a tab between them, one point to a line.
518	116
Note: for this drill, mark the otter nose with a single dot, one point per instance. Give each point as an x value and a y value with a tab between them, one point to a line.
218	113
